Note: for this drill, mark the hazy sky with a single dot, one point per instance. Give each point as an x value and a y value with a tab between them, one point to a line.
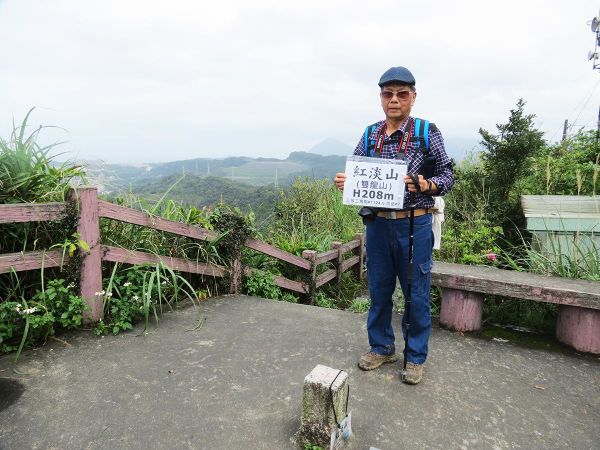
134	80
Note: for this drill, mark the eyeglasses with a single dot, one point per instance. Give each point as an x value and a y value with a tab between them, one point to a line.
402	95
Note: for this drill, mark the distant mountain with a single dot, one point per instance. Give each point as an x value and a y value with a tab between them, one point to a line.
114	178
317	166
210	191
331	146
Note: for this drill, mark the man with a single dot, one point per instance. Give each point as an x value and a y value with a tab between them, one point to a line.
387	237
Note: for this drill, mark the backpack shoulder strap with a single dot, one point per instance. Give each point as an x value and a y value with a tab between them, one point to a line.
368	142
421	132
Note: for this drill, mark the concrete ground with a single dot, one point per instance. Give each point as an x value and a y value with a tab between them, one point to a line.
236	383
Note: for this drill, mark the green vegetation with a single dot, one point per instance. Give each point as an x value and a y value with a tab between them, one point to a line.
208	192
33	307
135	292
504	163
310	215
262	284
484	225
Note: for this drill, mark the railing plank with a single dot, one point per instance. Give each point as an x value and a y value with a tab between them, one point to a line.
286	283
31	212
350	245
128	215
122	255
31	260
326	277
349	263
326	256
270	250
292	285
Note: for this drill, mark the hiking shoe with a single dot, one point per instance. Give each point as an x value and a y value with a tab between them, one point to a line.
413	373
372	360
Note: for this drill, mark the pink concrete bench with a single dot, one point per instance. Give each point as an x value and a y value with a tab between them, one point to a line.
464	288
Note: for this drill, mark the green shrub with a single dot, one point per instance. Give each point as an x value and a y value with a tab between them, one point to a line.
468	235
136	292
567	168
470	243
66	307
11	326
24	323
262	284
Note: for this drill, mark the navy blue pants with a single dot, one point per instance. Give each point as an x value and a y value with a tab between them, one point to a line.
387	260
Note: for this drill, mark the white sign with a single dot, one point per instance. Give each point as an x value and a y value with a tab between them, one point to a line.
374	182
341	434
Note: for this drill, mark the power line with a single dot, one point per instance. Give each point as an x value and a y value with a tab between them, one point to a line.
585	102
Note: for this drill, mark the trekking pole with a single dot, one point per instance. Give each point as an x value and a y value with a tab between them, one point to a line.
411	231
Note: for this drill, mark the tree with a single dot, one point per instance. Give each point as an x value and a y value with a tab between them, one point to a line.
506	160
571	167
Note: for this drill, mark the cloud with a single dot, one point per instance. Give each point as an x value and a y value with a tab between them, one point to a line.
150	80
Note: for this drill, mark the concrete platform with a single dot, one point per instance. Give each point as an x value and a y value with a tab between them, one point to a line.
236	383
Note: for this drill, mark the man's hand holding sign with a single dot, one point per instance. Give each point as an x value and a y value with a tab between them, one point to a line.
426	186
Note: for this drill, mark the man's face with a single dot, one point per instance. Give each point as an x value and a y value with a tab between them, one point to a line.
397	101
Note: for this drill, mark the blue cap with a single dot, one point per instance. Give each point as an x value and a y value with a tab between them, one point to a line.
398	75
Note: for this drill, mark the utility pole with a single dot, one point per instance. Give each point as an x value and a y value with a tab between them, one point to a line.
593	56
598	128
565	130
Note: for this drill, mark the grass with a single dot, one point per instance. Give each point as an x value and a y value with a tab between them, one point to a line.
157	286
580	260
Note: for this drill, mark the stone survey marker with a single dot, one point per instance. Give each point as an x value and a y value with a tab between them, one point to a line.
324	389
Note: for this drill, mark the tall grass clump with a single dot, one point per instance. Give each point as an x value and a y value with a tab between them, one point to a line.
138	292
146	239
134	293
311	215
29	174
35	304
580	259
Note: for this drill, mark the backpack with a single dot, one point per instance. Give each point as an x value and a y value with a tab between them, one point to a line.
421	133
423	137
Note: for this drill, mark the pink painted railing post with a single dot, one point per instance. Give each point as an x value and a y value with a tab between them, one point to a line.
88	227
311	256
360	252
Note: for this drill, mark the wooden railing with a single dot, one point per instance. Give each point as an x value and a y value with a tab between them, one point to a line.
91	209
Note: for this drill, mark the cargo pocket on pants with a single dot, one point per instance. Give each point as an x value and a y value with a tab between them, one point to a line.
425	278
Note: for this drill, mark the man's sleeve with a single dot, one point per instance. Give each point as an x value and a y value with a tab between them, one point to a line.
360	148
444	174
